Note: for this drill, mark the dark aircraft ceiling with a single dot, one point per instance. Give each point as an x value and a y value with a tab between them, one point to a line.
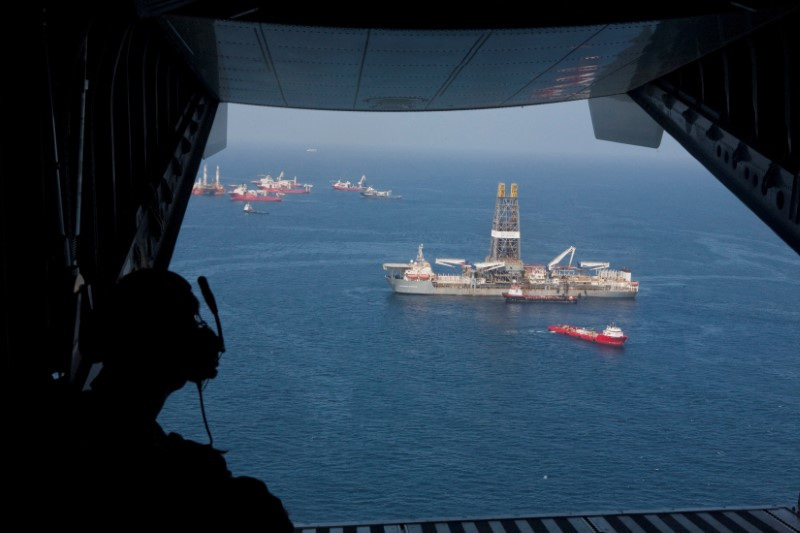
413	62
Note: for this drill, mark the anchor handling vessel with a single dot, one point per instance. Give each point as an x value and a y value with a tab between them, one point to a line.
503	269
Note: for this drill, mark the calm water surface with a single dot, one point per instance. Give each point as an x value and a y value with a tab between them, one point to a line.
355	404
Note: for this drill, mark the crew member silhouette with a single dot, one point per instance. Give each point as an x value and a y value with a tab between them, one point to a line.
151	342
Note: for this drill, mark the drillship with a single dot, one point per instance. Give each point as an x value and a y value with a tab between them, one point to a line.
503	268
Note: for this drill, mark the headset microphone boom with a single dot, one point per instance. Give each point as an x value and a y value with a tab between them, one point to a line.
211	302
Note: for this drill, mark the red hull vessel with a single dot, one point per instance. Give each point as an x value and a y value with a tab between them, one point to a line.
207	190
611	335
241	193
255	197
204	188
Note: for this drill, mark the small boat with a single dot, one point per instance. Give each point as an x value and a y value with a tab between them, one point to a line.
516	295
611	335
418	269
248	208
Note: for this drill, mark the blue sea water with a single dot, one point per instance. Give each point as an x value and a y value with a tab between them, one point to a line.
355	404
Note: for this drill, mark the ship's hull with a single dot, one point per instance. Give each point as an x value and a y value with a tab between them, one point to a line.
284	190
208	192
254	198
588	335
530	299
468	288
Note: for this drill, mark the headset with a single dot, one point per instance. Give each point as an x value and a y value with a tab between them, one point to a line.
205	347
191	349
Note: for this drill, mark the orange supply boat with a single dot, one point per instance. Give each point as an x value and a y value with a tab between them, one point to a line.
611	335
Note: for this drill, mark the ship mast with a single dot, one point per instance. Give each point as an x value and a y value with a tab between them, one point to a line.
505	228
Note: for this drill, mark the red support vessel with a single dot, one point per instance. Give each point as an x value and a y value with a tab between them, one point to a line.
611	335
243	194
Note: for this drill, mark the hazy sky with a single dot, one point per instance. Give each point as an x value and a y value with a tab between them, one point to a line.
550	128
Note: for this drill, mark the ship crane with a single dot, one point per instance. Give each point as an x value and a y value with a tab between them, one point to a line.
489	266
278	178
594	265
451	262
559	257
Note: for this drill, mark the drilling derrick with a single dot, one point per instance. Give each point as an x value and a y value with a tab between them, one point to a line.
505	228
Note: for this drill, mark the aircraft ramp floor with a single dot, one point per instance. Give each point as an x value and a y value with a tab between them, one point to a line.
734	520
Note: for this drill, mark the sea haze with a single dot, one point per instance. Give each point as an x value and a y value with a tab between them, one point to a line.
355	404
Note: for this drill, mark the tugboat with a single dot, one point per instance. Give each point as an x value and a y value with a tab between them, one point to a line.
611	335
516	295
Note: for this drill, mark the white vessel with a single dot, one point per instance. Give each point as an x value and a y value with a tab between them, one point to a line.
503	269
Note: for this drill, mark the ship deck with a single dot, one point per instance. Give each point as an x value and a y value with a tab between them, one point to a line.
744	520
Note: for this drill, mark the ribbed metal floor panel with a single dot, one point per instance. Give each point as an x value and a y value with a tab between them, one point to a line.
749	520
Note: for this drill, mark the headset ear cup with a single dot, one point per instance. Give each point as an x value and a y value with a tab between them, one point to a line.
202	355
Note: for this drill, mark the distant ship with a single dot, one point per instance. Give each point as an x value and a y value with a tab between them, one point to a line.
248	208
203	187
242	193
282	185
341	185
612	334
503	268
371	192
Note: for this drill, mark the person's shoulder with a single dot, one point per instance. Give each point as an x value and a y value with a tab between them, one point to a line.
193	456
239	500
249	501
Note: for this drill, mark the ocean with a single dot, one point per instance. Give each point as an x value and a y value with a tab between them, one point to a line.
355	404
